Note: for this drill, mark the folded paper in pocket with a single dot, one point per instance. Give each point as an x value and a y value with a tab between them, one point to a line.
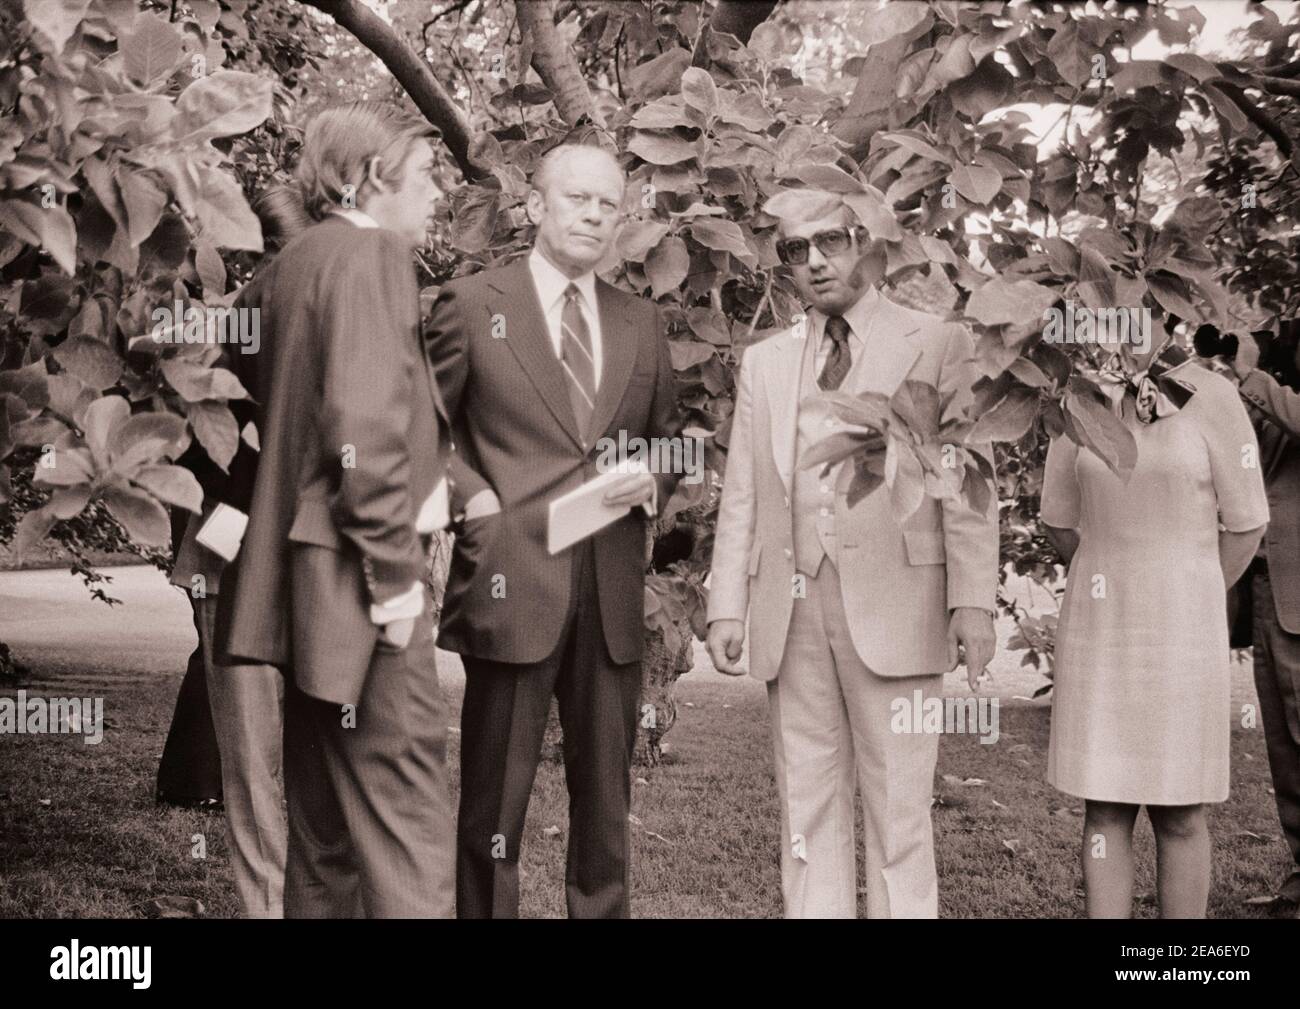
223	531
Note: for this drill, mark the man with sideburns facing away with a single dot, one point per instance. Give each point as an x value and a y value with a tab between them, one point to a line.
849	608
350	484
538	361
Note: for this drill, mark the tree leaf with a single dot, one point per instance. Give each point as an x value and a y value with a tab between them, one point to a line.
173	485
216	429
661	148
976	182
168	431
666	265
699	91
222	104
228	221
999	302
48	228
637	237
102	417
150	50
56	19
32	528
1009	419
92	361
143	518
1099	429
722	235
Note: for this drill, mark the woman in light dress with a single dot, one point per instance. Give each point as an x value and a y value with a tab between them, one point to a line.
1141	710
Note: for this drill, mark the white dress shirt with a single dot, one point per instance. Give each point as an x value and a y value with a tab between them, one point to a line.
551	285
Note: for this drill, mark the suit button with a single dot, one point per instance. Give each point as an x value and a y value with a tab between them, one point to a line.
826	489
788	552
825	512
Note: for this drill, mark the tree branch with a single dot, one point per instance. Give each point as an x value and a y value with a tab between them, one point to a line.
1270	126
412	73
555	63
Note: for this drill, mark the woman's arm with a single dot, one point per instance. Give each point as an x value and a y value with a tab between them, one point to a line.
1235	552
1066	541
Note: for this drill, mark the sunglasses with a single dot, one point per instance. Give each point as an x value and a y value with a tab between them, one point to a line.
794	251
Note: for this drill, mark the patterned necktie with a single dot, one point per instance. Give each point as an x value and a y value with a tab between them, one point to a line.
576	356
839	360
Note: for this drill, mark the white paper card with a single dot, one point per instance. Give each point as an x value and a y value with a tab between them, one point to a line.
223	531
581	512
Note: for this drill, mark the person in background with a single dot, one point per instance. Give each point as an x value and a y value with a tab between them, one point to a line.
1140	705
245	702
1275	577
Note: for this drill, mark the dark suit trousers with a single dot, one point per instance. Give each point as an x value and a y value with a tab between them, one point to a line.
1277	682
503	721
370	831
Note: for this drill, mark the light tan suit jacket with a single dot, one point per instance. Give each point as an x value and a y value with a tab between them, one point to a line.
900	581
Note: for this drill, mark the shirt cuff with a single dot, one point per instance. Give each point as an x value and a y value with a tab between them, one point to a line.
409	604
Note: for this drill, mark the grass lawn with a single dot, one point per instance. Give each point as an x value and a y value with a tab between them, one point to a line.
81	837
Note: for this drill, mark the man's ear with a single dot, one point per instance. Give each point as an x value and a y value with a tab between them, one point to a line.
536	203
373	176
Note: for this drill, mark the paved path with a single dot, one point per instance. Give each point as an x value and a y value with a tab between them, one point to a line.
49	620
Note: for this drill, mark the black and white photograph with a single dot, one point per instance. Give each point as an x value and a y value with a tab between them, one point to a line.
660	459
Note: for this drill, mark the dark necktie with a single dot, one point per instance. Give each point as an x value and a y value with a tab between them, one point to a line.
576	356
839	360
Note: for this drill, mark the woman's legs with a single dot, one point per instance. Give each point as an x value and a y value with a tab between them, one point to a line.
1182	860
1108	858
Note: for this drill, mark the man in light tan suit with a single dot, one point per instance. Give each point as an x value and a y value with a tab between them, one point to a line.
849	609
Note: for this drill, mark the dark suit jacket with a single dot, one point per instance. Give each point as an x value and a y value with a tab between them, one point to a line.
1279	446
515	430
353	439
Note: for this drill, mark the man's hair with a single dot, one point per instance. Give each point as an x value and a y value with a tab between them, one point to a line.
795	206
340	142
283	216
547	162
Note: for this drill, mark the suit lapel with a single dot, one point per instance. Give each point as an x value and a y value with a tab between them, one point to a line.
784	380
888	355
618	352
530	342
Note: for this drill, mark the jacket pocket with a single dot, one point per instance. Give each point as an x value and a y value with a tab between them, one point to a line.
314	524
924	547
755	552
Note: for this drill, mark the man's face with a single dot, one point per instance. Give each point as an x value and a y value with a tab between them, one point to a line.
578	209
407	205
830	284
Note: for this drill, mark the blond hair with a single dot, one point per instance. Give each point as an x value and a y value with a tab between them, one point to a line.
340	143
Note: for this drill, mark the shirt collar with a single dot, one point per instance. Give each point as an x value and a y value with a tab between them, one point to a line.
358	217
857	316
551	283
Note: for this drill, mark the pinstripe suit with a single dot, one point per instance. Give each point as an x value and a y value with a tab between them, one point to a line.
352	441
529	624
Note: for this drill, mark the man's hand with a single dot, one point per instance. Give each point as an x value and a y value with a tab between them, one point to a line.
970	629
397	634
726	641
482	504
1247	357
630	490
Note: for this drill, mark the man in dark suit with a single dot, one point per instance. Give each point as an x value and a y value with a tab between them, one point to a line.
539	362
1275	588
329	581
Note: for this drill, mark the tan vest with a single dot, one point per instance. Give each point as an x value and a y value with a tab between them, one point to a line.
814	494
